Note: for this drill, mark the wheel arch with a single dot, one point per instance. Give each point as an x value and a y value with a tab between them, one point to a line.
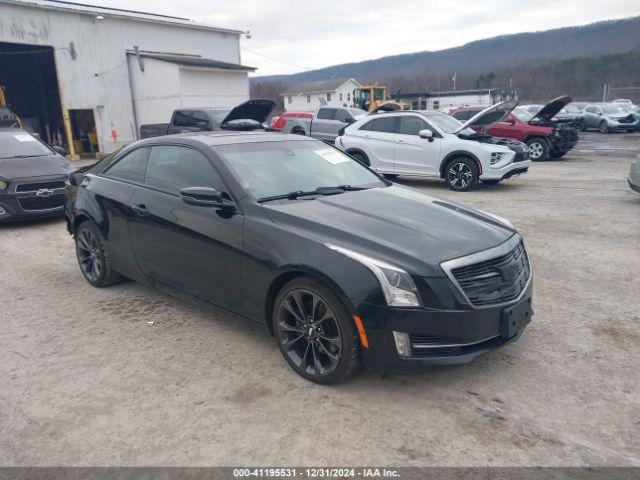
292	272
351	151
459	154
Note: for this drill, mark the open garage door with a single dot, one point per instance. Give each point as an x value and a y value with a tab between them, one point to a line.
28	75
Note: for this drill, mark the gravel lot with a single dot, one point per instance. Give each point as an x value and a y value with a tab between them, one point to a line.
86	380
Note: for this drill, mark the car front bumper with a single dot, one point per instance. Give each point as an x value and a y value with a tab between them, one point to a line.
512	169
623	127
634	186
438	337
31	198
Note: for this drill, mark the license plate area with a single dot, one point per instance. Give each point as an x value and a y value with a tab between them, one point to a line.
515	318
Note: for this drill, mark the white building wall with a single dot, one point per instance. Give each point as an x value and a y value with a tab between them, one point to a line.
98	78
300	103
164	86
446	103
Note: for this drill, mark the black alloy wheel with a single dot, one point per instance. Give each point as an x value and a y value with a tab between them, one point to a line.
315	333
92	257
461	174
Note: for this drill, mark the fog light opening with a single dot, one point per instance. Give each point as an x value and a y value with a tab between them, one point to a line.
402	343
2	211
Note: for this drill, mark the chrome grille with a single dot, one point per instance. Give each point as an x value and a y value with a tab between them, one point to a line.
34	187
498	280
496	276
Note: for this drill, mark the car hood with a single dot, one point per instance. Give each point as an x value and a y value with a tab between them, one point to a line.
258	110
489	116
401	226
552	108
13	168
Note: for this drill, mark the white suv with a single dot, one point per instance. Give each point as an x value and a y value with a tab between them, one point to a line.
431	144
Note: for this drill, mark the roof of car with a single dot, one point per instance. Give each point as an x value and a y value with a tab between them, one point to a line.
13	130
228	137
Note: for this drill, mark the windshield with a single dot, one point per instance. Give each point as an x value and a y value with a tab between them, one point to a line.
444	122
570	109
612	110
219	115
267	169
357	112
21	144
521	114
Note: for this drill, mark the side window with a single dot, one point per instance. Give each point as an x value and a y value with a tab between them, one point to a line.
343	116
386	125
464	114
326	114
197	119
171	168
131	166
410	125
181	119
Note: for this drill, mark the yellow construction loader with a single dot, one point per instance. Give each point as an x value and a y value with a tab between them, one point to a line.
7	117
374	97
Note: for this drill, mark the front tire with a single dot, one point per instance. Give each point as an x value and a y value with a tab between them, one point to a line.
603	127
461	174
92	256
315	332
538	149
557	154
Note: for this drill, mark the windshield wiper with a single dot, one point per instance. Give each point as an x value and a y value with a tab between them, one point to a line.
21	156
318	191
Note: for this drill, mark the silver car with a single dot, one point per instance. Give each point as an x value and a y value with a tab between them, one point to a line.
634	175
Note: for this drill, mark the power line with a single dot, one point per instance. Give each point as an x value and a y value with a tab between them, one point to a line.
276	60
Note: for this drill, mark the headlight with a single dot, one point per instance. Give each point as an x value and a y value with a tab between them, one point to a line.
397	285
3	185
496	157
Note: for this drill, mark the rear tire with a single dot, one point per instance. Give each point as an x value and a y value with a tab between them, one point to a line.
557	154
92	256
603	127
315	332
538	149
461	174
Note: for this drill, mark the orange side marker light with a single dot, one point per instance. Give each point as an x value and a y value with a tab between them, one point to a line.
363	335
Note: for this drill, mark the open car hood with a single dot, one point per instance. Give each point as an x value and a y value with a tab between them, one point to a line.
552	108
489	116
258	110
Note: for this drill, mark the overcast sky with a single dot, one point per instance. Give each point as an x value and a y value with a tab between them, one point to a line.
293	36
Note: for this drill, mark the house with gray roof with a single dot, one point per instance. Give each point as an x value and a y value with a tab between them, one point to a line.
309	96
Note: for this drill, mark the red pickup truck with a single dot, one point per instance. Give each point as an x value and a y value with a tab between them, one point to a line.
545	138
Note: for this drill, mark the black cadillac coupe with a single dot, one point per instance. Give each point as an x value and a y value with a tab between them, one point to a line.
342	267
32	177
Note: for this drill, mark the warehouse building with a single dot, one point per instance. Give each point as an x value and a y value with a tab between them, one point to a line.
87	77
457	98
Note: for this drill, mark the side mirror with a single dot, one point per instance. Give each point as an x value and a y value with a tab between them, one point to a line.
205	197
204	125
349	120
426	134
59	150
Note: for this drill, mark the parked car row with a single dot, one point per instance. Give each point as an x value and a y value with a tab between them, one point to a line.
544	137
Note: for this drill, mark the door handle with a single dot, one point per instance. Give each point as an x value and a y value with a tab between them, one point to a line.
399	141
140	209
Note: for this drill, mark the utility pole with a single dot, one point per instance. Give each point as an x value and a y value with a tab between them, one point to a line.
455	74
